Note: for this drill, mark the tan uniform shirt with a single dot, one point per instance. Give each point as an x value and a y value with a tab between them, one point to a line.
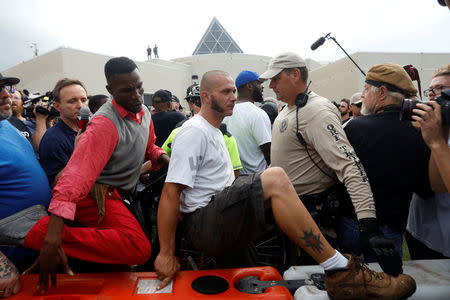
320	125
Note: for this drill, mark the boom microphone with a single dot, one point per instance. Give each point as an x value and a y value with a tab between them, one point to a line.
318	43
83	119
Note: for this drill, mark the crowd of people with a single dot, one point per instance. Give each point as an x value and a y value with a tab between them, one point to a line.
340	180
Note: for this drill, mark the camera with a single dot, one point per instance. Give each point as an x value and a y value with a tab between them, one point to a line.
443	100
30	101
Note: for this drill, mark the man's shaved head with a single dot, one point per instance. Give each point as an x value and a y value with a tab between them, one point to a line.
209	78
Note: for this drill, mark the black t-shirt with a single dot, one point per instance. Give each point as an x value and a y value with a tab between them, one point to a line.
164	123
395	158
23	129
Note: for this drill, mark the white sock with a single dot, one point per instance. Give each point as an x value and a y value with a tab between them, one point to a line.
335	262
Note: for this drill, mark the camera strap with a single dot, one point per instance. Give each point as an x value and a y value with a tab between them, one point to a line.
389	108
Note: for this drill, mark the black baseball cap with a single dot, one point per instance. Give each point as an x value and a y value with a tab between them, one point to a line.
9	80
164	95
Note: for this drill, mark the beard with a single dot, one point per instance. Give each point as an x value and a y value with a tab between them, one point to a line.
364	110
215	105
257	95
16	111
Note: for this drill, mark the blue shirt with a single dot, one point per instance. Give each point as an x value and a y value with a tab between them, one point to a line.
22	181
55	148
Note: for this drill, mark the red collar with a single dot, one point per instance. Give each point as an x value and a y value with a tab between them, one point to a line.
125	113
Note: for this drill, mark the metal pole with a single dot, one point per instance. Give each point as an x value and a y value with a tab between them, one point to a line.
330	37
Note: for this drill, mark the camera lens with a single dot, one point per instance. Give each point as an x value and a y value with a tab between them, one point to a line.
406	111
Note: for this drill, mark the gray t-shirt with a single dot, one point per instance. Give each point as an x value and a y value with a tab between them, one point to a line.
429	221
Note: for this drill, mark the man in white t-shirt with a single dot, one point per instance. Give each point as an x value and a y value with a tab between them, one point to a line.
250	125
221	215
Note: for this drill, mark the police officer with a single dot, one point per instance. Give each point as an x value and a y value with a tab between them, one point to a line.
308	142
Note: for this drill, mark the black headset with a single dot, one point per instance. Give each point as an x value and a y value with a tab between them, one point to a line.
302	98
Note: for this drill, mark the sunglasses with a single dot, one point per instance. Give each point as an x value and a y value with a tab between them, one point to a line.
9	88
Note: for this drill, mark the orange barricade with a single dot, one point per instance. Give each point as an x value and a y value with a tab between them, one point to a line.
140	285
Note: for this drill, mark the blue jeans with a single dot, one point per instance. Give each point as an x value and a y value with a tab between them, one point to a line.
348	237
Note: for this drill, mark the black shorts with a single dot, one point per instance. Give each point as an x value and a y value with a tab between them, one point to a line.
233	218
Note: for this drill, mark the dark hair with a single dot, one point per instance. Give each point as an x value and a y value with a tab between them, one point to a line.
164	95
175	98
346	101
303	72
95	102
119	65
62	83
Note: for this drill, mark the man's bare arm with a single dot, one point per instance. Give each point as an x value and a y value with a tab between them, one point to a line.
265	148
439	169
436	137
51	255
41	127
166	265
164	159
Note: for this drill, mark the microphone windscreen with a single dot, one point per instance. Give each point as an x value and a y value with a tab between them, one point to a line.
318	43
85	113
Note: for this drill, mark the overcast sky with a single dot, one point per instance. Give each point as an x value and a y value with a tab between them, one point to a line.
127	27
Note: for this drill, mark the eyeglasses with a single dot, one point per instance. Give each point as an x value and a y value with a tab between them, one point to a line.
435	90
9	88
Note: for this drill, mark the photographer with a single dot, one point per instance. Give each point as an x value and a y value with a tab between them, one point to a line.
436	136
428	230
39	115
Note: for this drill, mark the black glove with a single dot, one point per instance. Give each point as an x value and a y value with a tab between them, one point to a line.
371	240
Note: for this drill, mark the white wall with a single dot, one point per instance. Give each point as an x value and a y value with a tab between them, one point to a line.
335	81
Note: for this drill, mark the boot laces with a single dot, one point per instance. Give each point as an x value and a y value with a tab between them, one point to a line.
362	266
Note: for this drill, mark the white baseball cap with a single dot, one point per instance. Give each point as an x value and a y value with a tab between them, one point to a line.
282	61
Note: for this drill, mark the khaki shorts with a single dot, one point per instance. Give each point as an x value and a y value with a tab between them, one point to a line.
233	218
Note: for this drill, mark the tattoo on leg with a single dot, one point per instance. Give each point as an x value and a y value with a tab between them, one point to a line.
312	241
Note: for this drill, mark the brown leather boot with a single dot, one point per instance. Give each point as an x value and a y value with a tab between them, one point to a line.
357	281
